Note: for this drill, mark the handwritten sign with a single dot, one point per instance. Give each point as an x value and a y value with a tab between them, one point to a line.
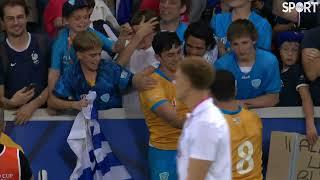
291	157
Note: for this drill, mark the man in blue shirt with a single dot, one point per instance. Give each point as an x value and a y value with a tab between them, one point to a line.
170	13
241	10
256	71
90	73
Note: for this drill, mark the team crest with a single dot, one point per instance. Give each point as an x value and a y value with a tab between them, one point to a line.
123	75
236	120
105	98
164	176
256	83
35	58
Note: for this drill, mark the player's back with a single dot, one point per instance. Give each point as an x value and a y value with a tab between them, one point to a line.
246	143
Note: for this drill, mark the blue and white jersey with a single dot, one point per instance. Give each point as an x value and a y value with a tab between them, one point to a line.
63	55
111	81
221	22
264	77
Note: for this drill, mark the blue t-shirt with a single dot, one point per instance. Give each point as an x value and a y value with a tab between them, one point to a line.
264	77
64	55
111	81
25	67
181	30
221	22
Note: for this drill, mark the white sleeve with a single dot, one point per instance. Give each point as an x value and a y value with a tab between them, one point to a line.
204	142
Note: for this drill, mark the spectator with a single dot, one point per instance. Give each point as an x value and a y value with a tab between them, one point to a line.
25	63
53	21
63	54
311	61
33	17
108	79
241	9
163	113
170	12
295	89
200	42
204	145
139	53
256	70
102	12
245	128
12	160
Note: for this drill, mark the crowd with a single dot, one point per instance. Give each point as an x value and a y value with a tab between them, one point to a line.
152	53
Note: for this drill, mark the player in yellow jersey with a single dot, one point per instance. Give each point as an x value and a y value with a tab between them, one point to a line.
163	113
245	128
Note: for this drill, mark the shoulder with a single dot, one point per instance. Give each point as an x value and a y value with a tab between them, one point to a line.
225	60
266	57
258	20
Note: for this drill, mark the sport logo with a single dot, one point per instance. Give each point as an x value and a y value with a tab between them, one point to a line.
306	7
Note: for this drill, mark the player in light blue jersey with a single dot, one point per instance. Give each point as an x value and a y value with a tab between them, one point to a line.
241	10
256	71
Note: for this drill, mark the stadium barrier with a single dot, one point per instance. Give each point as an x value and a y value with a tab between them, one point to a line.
44	138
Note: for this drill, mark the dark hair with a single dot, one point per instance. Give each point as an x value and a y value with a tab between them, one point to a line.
200	73
242	28
85	41
224	88
147	14
201	30
68	7
12	3
163	41
91	3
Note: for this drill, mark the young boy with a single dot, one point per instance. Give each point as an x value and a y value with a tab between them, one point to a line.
75	15
245	129
295	89
256	71
107	78
163	113
139	55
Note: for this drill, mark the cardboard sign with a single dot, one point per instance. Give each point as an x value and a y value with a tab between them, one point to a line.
291	157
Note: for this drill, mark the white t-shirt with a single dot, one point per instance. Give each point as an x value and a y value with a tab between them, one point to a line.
205	136
139	60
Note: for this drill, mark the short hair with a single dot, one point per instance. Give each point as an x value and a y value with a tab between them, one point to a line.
85	41
147	14
201	30
224	86
70	6
12	3
164	41
242	28
200	73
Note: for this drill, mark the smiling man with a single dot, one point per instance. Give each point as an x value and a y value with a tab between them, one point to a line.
24	58
256	71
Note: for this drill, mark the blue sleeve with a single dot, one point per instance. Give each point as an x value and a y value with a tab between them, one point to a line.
273	80
265	37
123	76
63	86
56	55
107	42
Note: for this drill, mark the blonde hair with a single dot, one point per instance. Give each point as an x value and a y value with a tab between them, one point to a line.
85	41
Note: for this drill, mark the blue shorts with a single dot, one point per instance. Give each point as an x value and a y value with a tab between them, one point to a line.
162	164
